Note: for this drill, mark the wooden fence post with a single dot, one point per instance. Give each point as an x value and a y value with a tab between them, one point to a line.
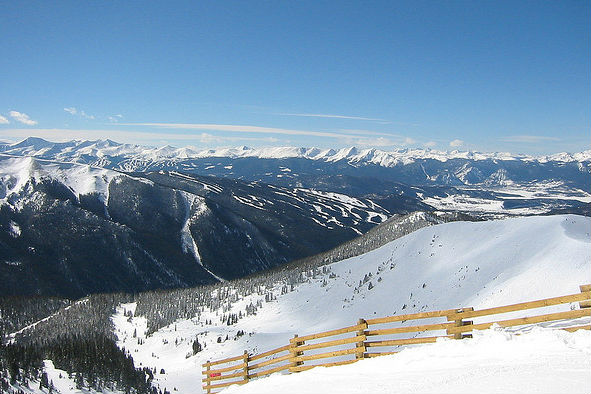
294	343
207	382
361	344
245	365
586	303
459	322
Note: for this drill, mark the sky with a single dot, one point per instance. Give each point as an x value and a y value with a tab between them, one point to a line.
481	75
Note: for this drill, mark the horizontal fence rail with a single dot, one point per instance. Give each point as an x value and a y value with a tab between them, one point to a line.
386	336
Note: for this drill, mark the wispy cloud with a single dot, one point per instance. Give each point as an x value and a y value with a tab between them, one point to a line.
343	136
370	142
244	129
207	138
208	134
74	111
456	143
22	118
136	137
331	116
85	115
430	144
378	141
528	139
115	118
3	120
366	132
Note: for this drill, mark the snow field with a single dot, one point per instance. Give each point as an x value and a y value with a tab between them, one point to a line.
81	179
461	264
494	361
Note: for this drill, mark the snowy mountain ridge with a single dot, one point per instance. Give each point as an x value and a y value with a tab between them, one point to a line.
402	177
82	150
81	179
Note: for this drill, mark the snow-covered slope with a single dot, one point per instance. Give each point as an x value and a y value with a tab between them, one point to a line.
81	179
458	264
495	361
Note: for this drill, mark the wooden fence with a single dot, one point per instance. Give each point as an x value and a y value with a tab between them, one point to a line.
386	336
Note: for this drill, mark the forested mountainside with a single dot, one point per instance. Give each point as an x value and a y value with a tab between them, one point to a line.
17	312
86	326
70	230
192	299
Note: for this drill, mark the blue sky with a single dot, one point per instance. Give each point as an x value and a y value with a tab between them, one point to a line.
480	75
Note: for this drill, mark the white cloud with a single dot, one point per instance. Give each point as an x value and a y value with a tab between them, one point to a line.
330	116
3	120
85	115
81	113
22	118
115	118
528	139
456	143
135	137
367	132
244	129
363	138
430	144
207	138
369	142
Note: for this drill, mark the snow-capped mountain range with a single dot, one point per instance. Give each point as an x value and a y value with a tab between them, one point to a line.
290	166
103	150
495	183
